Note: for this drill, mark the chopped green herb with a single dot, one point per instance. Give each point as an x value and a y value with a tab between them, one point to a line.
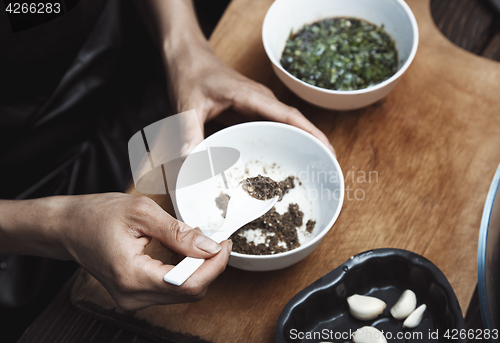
341	54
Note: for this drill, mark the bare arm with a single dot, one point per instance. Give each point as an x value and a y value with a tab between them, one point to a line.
27	227
199	80
107	234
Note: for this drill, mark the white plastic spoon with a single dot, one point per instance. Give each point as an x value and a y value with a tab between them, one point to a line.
241	209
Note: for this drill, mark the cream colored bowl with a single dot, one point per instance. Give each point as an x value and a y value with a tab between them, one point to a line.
285	16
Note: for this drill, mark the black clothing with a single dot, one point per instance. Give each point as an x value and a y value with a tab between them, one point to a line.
73	91
76	94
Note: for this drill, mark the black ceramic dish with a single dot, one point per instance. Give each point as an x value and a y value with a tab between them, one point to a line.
383	273
488	260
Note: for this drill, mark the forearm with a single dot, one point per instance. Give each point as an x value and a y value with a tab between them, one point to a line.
173	24
30	227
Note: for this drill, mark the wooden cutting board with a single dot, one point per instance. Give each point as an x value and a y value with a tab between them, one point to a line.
431	148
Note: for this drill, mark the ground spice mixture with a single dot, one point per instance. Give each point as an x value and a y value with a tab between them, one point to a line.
310	225
263	187
280	229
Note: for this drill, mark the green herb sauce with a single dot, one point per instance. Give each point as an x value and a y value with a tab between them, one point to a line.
341	54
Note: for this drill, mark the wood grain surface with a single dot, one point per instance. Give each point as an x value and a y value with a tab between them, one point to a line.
432	147
471	25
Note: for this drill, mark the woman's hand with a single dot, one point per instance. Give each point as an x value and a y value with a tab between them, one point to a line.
107	234
199	80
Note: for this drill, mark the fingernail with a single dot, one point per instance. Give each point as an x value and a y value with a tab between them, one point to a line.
206	244
230	245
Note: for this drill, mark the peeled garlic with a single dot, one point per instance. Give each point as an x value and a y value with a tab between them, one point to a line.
363	307
368	334
405	305
415	317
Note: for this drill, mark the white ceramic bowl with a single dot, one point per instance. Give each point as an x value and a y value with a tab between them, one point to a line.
296	152
285	16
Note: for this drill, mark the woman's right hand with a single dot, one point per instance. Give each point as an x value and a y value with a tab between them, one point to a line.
107	235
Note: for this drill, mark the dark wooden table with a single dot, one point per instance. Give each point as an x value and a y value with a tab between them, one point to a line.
471	24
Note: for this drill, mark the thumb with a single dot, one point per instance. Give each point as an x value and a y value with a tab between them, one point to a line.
182	238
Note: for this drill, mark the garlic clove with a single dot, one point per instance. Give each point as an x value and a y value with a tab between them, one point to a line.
368	334
415	317
363	307
405	305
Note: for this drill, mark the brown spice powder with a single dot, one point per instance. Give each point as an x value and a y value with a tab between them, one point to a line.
280	228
